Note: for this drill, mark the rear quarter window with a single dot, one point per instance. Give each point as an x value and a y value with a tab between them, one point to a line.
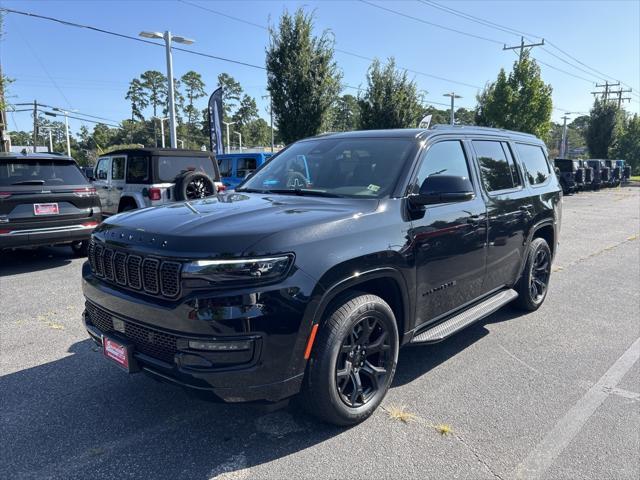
535	163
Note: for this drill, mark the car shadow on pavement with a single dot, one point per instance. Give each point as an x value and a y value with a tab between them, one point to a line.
81	417
13	262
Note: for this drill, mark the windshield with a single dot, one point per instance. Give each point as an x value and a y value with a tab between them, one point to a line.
349	167
170	167
40	172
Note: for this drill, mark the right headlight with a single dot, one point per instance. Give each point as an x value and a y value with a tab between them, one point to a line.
239	271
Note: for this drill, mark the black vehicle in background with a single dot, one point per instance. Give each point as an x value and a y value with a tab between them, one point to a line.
571	175
615	173
45	200
625	169
588	174
317	268
601	174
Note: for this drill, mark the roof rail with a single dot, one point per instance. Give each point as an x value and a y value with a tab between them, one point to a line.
477	128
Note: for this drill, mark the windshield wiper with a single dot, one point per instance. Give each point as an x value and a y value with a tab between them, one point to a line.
252	190
29	182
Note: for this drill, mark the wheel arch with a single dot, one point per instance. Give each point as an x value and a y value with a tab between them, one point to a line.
127	200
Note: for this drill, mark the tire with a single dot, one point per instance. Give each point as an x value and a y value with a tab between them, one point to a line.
80	248
533	285
194	185
329	390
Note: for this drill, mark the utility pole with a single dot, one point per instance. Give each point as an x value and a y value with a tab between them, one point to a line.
453	97
563	144
35	125
66	132
605	93
522	46
271	114
620	97
5	144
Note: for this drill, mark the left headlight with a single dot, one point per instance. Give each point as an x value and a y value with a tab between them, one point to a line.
239	271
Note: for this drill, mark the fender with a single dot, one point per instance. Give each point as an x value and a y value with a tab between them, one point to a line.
537	226
361	277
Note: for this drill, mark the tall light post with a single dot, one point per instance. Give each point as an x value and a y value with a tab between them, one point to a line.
228	141
239	140
49	130
453	97
271	116
66	128
168	38
162	119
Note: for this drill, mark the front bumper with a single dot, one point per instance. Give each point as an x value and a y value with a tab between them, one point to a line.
272	319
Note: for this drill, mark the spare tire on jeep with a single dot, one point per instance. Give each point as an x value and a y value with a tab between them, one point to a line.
192	185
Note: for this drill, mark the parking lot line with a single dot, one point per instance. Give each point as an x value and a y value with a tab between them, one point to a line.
557	439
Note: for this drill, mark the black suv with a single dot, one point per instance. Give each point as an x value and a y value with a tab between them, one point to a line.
615	172
601	174
571	175
588	173
45	200
331	256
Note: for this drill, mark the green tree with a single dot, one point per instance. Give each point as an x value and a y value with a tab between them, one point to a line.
600	134
520	101
194	89
138	97
391	100
628	144
345	114
302	76
155	84
231	94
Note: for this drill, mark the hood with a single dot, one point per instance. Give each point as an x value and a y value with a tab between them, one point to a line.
227	224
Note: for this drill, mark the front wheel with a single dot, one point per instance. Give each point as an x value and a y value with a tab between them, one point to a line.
353	361
534	283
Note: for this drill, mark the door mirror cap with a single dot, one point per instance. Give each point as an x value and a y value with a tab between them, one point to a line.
443	189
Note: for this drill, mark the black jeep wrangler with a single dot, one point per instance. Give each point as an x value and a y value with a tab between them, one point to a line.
588	173
320	266
615	173
601	174
571	175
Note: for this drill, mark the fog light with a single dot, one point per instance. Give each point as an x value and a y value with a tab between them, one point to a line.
219	346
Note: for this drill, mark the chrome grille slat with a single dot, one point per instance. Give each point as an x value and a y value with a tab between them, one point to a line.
150	275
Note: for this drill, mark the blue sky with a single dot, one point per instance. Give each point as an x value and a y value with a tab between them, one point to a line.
79	69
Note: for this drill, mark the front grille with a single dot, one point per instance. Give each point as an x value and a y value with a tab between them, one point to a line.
149	275
146	340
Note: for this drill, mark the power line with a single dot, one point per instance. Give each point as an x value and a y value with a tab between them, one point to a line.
339	50
426	22
128	37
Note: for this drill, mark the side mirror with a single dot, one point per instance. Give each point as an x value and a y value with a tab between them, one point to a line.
443	189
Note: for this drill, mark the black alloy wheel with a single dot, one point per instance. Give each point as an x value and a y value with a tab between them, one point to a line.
362	362
540	273
198	188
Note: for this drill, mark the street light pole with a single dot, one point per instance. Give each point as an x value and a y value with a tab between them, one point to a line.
239	140
563	144
162	119
228	141
66	131
168	38
453	97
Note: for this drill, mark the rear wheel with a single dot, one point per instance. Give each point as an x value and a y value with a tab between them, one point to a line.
353	361
80	248
534	283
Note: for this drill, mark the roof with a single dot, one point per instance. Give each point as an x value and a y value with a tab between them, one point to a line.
244	155
47	156
421	133
174	152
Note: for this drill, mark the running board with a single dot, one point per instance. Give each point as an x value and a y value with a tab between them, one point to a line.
464	319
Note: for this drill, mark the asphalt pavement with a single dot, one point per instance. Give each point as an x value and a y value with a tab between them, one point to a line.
554	394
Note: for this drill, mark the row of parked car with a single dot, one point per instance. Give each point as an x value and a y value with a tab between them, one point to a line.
577	175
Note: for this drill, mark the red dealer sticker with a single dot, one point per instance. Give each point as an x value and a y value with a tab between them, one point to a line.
116	352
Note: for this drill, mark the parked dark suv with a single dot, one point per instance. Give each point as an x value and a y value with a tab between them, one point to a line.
45	199
588	173
571	175
601	174
331	256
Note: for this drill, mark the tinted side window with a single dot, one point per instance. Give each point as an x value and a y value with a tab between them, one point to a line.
494	166
225	167
443	158
117	168
515	174
245	166
102	170
535	163
138	169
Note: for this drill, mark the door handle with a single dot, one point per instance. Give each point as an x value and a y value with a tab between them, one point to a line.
474	221
119	188
525	208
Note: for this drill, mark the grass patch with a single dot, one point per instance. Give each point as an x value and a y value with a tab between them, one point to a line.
635	178
399	414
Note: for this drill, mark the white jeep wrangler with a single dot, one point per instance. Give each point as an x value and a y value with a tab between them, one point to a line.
145	177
